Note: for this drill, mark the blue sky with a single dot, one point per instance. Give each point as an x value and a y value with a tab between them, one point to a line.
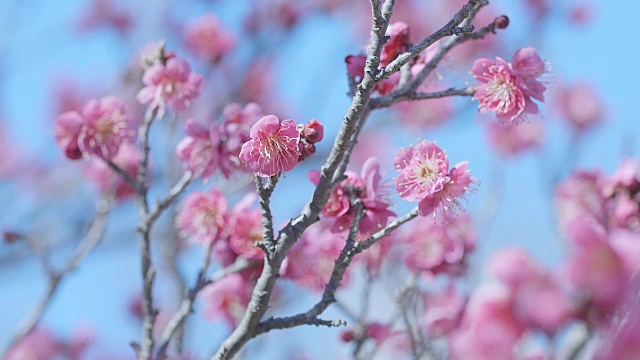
36	47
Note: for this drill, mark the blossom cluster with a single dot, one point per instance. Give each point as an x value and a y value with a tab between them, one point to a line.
366	187
205	150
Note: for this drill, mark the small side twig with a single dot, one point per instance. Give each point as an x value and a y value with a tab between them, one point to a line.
88	242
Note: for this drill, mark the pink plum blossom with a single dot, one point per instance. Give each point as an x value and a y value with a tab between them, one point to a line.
203	216
489	328
273	146
595	269
206	38
513	139
355	66
172	84
199	149
366	187
244	229
106	12
443	311
398	42
68	127
312	258
226	299
506	88
423	171
100	129
580	105
424	176
438	247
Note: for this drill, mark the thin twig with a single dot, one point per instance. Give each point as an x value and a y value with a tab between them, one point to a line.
449	29
125	176
174	192
88	242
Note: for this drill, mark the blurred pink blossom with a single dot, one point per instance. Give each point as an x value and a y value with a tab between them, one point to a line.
226	299
509	139
203	216
580	105
207	38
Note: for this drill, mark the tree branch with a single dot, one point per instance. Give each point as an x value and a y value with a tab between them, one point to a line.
449	29
174	192
90	240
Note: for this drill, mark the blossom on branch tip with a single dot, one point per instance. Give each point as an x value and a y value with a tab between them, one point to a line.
273	146
172	84
507	88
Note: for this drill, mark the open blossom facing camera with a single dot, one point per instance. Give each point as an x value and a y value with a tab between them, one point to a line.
100	129
424	176
273	146
507	88
172	84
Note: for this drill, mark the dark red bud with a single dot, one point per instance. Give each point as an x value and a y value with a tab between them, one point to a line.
501	22
11	236
313	131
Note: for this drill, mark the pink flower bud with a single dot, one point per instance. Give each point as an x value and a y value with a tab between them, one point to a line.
313	131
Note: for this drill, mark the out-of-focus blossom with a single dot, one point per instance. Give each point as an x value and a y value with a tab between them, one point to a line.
199	150
580	195
443	311
507	89
539	300
595	269
366	187
68	127
355	66
581	13
273	146
39	344
99	130
203	216
128	159
171	84
312	258
206	38
513	139
226	299
105	12
489	328
438	247
580	105
105	127
424	176
538	8
244	229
